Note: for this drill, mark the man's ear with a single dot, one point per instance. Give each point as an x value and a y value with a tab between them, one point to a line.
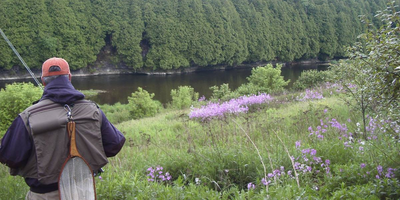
44	84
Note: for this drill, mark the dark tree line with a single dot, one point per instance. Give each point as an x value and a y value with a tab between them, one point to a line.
160	34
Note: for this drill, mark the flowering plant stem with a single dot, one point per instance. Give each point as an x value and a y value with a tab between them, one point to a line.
258	152
291	159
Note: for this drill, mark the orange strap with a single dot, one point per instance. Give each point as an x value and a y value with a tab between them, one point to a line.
71	132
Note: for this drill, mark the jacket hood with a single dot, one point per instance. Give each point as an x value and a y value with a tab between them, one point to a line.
60	90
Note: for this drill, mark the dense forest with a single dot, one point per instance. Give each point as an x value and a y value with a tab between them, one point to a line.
160	34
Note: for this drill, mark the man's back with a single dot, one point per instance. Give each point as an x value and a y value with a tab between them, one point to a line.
46	122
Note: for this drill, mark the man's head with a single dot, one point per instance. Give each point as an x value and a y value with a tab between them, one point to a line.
54	67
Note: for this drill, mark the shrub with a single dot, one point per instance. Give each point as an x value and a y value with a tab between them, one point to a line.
14	99
222	92
183	97
116	113
310	78
141	104
265	79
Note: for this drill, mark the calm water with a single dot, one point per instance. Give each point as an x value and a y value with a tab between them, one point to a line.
118	87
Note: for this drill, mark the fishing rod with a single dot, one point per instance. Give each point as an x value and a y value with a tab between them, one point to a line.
20	58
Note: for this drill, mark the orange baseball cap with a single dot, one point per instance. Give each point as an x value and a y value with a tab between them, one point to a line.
63	64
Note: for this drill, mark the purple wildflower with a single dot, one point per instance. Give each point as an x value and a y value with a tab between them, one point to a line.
362	165
317	159
277	172
156	174
202	98
309	95
390	173
327	162
289	172
298	144
233	106
305	151
327	169
313	152
379	169
251	186
265	182
297	165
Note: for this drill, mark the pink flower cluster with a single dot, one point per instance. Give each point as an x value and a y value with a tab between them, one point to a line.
277	173
309	95
233	106
379	174
157	175
309	161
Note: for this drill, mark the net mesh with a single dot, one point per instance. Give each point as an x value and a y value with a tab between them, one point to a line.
76	181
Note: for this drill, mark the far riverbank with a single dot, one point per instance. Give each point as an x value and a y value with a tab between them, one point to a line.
20	73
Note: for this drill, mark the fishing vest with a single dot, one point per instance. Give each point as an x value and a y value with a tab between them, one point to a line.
46	123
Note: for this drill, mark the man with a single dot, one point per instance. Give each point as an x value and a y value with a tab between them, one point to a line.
36	145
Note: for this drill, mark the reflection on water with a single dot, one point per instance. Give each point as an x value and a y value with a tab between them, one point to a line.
119	87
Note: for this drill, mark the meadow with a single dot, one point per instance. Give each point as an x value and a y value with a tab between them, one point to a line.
296	145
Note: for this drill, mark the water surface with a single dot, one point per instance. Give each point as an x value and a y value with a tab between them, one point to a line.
118	87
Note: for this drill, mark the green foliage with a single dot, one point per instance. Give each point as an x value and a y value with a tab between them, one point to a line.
141	104
116	113
12	187
371	73
355	192
311	78
116	186
222	92
174	34
265	79
183	97
14	99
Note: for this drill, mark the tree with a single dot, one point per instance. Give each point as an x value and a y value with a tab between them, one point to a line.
371	74
265	79
141	104
14	99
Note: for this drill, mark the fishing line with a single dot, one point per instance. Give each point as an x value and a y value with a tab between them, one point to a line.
20	58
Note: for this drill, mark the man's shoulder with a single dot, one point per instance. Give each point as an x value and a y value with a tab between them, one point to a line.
38	104
86	102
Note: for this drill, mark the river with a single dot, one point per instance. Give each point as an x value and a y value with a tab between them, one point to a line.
117	88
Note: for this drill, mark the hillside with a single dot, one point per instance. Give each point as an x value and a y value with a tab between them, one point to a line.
162	35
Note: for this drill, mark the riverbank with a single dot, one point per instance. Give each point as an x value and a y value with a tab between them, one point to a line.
106	68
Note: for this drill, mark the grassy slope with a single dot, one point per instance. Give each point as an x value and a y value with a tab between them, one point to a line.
219	155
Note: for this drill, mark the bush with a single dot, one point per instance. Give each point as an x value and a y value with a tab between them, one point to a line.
14	99
141	104
310	78
183	97
222	92
265	79
116	113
